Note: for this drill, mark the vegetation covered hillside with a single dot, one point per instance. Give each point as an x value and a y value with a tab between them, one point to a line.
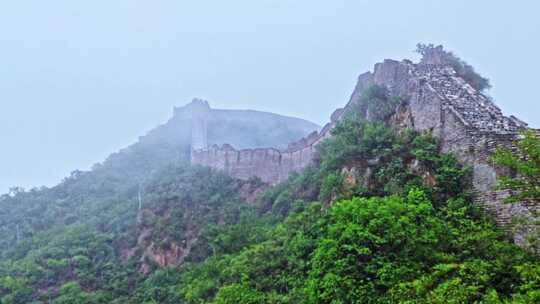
382	217
97	243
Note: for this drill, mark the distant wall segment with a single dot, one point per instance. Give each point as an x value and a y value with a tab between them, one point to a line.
271	165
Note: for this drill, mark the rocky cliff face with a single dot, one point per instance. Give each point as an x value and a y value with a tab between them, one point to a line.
439	101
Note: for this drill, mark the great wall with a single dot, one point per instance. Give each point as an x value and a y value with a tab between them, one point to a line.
467	123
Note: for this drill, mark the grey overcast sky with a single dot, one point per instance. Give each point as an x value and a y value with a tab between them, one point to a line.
82	79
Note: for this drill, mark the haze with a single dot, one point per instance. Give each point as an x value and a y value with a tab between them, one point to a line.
79	80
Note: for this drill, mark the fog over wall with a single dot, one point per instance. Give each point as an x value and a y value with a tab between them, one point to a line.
82	79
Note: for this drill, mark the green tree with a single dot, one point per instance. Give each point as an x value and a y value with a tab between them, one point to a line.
525	166
238	294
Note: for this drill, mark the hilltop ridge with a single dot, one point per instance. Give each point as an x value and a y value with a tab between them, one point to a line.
172	140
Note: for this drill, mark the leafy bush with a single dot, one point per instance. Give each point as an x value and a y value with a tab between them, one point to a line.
525	166
82	261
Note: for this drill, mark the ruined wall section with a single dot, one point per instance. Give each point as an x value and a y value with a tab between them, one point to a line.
199	111
473	128
271	165
467	123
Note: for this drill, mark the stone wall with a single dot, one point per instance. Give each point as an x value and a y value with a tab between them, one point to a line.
271	165
467	122
199	110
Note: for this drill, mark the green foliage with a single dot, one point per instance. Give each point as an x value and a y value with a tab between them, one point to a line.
530	290
394	224
355	140
330	184
238	294
376	250
404	241
525	167
368	248
65	244
385	162
159	287
72	293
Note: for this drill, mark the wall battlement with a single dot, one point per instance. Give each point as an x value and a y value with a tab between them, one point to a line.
439	101
271	165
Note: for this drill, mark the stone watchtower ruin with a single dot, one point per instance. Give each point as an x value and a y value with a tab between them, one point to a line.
198	111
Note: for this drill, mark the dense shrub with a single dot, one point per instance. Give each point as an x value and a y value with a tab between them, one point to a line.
408	243
383	217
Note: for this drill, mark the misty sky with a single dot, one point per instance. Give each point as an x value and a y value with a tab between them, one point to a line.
82	79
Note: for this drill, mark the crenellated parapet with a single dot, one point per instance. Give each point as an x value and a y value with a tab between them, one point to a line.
271	165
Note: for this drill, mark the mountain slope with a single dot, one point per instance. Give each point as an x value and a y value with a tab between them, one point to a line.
142	208
381	216
394	222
